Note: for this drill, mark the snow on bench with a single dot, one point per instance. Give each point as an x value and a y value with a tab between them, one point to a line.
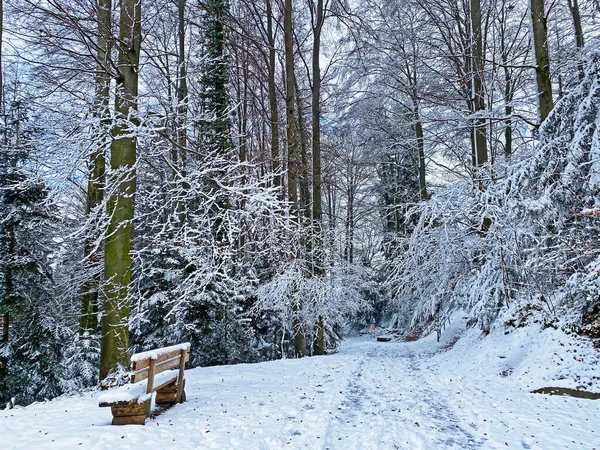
136	391
130	404
154	354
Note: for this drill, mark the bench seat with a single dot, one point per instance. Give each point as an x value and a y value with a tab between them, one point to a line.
137	391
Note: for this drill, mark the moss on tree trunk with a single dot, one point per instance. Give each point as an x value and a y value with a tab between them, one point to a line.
117	265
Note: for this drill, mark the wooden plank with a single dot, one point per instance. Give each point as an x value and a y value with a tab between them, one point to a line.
153	354
122	403
137	365
123	395
150	372
166	398
165	382
171	363
132	408
129	420
136	377
159	367
105	404
170	387
180	380
167	395
162	381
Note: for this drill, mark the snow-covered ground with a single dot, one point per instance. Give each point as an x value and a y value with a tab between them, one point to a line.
371	395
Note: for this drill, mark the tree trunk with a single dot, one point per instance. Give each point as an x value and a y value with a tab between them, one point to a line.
579	40
349	225
317	208
1	62
575	13
273	107
420	151
215	96
88	322
216	132
303	170
542	61
508	113
320	344
480	152
8	293
5	337
6	314
117	265
182	109
508	87
292	143
242	79
289	108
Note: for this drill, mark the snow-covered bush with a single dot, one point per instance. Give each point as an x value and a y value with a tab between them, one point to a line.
527	240
195	278
298	298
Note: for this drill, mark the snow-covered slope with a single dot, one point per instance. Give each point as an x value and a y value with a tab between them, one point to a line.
371	395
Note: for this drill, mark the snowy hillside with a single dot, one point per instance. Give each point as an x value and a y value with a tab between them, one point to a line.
371	395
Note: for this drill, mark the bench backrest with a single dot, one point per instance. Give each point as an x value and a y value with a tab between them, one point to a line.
147	364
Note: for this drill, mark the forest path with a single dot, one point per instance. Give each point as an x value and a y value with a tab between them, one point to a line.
369	396
389	402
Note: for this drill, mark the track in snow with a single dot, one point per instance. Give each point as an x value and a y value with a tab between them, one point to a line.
370	395
388	404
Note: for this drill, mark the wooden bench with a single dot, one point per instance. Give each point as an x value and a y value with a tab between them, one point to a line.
150	372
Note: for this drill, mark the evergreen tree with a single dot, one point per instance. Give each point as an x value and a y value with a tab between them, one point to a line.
216	128
31	345
215	131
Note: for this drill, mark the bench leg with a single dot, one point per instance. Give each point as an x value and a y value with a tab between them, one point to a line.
167	395
132	413
183	397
